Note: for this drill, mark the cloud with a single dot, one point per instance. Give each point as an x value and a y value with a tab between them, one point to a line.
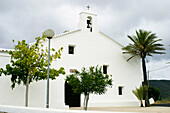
159	69
27	19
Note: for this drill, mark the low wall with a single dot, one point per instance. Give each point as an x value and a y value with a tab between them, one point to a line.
16	109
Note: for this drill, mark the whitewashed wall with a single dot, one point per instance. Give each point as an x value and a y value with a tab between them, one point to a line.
95	49
37	90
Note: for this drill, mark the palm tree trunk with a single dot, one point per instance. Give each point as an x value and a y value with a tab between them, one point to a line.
26	94
145	81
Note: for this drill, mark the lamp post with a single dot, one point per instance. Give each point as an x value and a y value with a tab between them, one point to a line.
49	33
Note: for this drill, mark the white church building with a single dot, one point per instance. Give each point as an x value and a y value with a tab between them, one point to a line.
83	47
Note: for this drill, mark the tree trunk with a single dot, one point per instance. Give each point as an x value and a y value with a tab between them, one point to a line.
145	82
141	103
84	101
86	98
26	94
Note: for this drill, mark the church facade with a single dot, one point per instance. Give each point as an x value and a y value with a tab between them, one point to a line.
84	47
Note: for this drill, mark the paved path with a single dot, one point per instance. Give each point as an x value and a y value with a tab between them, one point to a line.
153	109
129	109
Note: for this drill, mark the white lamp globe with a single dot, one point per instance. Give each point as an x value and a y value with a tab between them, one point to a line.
49	33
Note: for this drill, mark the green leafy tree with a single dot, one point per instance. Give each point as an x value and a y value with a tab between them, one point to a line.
88	82
154	93
29	63
144	44
139	93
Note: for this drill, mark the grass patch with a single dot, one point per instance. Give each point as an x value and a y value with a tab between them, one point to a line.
163	102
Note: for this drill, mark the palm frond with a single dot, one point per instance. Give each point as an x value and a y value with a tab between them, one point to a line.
139	92
130	58
144	43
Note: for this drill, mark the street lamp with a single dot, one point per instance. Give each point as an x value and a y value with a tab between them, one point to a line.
49	33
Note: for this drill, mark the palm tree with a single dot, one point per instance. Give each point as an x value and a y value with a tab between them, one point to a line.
144	44
139	93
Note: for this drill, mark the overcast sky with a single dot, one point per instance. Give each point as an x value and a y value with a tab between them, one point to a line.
27	19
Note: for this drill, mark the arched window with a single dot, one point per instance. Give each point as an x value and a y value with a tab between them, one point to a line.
89	23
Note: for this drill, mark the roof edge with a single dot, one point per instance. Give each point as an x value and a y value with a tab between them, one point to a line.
111	39
67	33
89	13
5	50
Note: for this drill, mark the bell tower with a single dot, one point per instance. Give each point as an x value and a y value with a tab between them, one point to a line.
88	22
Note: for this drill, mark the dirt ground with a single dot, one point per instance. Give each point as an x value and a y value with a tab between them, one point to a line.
153	109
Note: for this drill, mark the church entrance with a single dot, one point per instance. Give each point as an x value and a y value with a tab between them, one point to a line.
71	99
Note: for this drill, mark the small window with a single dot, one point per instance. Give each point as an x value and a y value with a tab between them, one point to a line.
120	89
71	49
104	69
73	70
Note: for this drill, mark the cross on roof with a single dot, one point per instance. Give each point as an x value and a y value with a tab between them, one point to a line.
88	7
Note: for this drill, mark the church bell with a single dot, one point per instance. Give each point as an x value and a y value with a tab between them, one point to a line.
88	26
88	23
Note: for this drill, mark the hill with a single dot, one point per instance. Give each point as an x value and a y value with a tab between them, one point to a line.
164	87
